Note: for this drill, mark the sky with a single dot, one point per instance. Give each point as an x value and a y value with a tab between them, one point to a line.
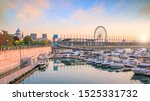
73	18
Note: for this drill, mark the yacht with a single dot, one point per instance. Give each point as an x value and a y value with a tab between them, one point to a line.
116	65
89	61
42	61
99	63
106	64
130	63
142	68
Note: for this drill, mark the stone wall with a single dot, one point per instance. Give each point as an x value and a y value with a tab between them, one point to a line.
10	59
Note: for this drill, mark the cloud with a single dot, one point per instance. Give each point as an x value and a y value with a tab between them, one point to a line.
32	9
28	13
145	10
26	10
4	6
88	14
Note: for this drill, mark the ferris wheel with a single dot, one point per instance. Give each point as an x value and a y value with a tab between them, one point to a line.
100	34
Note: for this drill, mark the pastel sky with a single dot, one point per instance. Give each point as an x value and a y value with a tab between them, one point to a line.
76	17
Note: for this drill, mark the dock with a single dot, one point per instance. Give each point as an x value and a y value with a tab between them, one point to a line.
18	74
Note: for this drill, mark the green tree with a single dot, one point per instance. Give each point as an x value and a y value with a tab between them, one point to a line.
45	42
17	42
27	40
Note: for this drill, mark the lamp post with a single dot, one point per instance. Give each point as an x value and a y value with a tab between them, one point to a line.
7	43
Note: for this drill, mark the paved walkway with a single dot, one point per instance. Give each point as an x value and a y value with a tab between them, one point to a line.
7	79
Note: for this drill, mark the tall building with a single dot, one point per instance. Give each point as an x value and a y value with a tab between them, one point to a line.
19	34
44	36
33	36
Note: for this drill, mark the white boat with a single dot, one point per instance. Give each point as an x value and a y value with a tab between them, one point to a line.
99	63
116	65
42	61
130	63
142	68
89	61
106	64
94	62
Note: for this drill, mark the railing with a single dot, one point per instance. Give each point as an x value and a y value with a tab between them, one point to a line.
19	47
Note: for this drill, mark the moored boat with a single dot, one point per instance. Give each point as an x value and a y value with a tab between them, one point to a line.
142	68
116	65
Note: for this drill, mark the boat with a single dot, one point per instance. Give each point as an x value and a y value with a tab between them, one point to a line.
94	62
89	61
124	70
99	63
42	61
68	61
143	68
115	65
42	64
130	63
106	64
43	67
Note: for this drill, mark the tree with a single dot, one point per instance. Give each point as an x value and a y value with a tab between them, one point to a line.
17	42
16	38
45	42
28	40
6	39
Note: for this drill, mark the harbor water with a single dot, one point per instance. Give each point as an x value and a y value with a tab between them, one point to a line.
58	72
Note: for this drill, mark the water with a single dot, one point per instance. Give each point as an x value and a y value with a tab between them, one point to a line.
81	73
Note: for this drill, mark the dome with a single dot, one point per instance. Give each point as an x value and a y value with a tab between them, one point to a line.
19	34
18	31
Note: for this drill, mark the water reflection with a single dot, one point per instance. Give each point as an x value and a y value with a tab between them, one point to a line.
78	72
141	78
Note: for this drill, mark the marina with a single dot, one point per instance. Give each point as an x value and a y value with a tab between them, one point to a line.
58	72
120	66
66	50
79	61
80	66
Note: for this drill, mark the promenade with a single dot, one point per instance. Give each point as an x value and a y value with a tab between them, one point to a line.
18	74
11	60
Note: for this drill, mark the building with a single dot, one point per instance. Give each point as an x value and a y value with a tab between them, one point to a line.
44	36
33	36
19	34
